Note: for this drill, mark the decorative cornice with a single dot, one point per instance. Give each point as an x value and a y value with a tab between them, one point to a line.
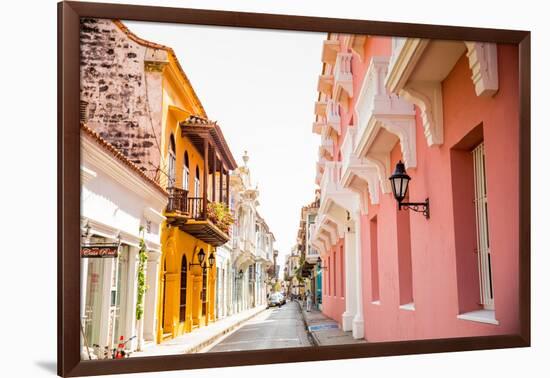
483	60
427	97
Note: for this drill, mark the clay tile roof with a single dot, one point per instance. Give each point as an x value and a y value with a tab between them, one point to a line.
120	156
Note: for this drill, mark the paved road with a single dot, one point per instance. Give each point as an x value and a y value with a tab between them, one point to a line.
274	328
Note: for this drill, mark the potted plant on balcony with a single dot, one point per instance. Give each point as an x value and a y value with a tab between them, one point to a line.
219	214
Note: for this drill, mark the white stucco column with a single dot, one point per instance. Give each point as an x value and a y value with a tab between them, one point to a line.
128	324
358	326
152	277
351	297
83	288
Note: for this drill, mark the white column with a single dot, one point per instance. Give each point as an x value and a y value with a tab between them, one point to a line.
349	250
358	327
152	278
105	321
129	323
83	287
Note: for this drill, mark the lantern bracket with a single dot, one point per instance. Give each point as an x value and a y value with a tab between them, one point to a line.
419	207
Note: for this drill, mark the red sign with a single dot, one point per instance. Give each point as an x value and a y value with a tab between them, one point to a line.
101	251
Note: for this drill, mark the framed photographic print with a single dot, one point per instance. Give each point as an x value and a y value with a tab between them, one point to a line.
240	188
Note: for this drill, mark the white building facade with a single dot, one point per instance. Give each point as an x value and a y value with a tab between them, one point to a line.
120	208
251	245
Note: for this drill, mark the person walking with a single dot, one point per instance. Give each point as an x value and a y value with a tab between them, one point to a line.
308	301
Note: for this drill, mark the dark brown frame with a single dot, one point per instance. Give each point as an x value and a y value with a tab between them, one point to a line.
69	363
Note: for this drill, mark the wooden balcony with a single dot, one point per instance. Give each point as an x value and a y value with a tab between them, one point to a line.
189	214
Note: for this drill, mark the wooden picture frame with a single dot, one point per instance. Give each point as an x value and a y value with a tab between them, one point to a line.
69	361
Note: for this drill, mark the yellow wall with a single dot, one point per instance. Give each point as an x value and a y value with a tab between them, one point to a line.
178	104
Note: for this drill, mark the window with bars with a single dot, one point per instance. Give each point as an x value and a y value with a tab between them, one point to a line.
482	228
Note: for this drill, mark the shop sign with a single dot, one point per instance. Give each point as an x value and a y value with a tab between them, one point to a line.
99	250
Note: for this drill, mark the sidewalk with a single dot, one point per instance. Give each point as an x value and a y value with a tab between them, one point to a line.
326	331
201	337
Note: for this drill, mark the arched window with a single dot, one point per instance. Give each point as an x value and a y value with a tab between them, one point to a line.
185	171
172	162
183	288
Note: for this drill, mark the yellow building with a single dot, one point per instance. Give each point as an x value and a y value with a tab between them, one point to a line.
195	165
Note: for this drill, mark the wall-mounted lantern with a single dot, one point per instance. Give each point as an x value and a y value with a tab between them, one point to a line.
201	255
400	184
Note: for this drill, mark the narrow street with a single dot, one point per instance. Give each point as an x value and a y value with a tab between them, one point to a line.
274	328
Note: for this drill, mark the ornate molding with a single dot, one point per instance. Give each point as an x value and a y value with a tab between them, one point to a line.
483	62
405	129
381	163
427	97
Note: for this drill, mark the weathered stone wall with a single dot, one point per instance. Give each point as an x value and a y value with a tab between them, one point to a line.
116	94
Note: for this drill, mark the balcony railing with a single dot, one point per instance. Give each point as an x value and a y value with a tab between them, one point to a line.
333	115
177	200
190	215
343	78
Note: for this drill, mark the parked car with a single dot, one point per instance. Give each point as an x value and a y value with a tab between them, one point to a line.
283	298
275	299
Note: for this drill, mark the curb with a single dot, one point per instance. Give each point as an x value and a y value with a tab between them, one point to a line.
310	335
207	342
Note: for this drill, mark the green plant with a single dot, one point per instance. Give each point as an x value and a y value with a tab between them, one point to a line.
141	285
219	214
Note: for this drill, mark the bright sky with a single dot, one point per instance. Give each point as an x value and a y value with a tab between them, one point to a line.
261	86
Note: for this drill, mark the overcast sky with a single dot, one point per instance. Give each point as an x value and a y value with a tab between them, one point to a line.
261	86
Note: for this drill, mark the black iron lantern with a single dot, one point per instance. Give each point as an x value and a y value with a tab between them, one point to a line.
201	256
211	260
400	184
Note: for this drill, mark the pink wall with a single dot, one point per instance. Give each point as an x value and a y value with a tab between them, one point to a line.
334	303
444	271
334	306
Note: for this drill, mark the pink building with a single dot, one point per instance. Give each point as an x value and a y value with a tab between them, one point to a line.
449	111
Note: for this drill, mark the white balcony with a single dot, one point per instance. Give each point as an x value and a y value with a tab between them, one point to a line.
359	174
326	149
326	232
330	50
343	78
336	200
383	119
333	117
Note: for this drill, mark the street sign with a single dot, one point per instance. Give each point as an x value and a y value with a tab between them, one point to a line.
319	327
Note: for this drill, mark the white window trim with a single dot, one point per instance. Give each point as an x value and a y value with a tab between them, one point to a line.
377	303
408	307
480	316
